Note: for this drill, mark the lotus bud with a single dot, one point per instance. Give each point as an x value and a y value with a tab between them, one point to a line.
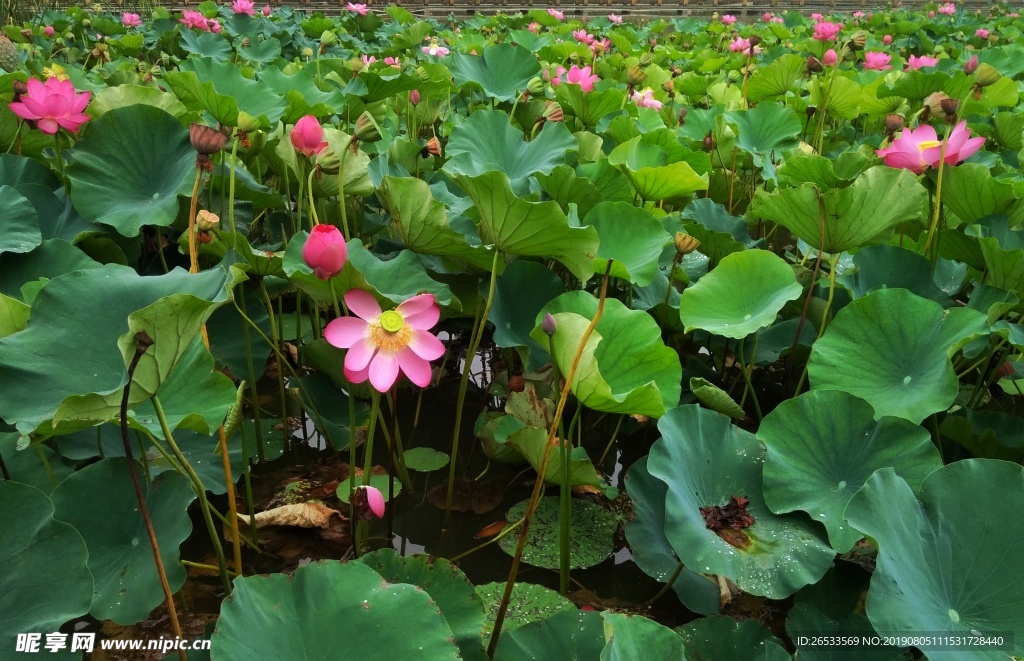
548	324
685	244
325	251
553	112
414	97
206	140
366	129
950	106
207	220
830	58
971	65
652	44
708	143
858	40
535	87
814	64
247	122
328	38
646	59
368	503
635	76
986	75
893	123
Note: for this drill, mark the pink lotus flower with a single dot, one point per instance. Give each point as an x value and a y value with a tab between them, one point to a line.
645	99
826	31
533	27
130	20
971	65
435	48
914	63
918	149
767	17
615	18
48	30
741	45
244	7
393	61
877	61
582	37
325	251
602	46
948	9
982	33
817	17
52	105
887	39
777	19
556	14
382	344
308	136
267	10
858	14
727	19
214	26
194	19
576	76
830	58
367	61
374	500
931	14
357	8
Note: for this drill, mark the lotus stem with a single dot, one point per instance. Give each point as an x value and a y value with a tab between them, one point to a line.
253	391
538	485
275	335
824	319
368	449
394	440
3	469
938	198
193	250
611	441
810	288
668	586
229	481
312	203
746	378
505	531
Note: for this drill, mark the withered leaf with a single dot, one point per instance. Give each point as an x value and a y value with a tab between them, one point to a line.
733	516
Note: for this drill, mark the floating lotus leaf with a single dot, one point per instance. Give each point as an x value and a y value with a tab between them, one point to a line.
425	460
824	445
331	607
891	348
529	603
706	461
572	635
99	502
946	563
44	577
592	528
630	637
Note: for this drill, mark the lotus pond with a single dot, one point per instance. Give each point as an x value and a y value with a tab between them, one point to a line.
516	337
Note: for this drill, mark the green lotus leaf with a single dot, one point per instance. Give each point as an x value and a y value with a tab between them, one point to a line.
531	442
58	218
592	528
892	267
570	636
812	169
841	98
19	170
331	607
630	236
529	603
630	637
654	173
764	132
302	94
804	620
52	258
380	85
99	502
866	212
705	461
722	637
502	71
944	563
652	551
589	107
987	434
824	445
220	89
70	360
564	186
206	45
714	398
915	85
203	452
892	348
111	98
625	367
971	192
425	460
115	181
446	585
486	142
777	78
421	222
395	279
520	293
262	51
13	315
516	226
19	227
744	293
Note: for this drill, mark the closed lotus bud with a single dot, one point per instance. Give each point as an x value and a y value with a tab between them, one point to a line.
858	40
207	220
535	87
635	76
708	143
368	503
548	324
325	251
894	123
814	64
206	140
366	128
328	38
646	59
971	65
685	244
553	112
986	75
934	103
414	97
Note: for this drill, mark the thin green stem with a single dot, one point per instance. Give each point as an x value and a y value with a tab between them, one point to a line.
746	378
938	197
250	365
368	448
611	441
275	334
668	586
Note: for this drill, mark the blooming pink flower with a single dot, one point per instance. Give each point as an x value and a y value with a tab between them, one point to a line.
374	500
817	17
48	30
52	105
887	39
325	251
858	14
777	19
576	76
533	27
876	60
382	344
827	31
556	14
435	48
727	19
393	61
914	62
918	149
582	36
266	10
615	18
645	99
244	7
367	61
130	20
308	136
194	19
741	45
602	46
982	33
357	8
1013	14
214	26
948	9
767	17
830	58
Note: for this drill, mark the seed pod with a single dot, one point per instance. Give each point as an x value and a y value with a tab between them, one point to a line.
366	128
986	75
814	64
894	123
206	140
207	220
635	76
685	244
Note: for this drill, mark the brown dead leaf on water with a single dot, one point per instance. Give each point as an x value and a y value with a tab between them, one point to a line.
300	515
